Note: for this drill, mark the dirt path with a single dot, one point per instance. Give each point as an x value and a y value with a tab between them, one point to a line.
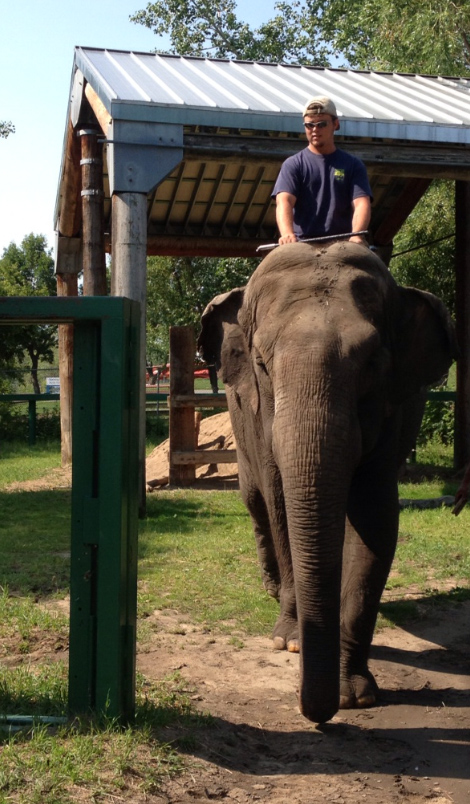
414	747
256	746
253	744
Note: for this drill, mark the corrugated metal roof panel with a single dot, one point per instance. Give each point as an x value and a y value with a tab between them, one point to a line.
429	108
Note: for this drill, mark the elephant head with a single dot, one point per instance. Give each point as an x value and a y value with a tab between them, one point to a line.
320	353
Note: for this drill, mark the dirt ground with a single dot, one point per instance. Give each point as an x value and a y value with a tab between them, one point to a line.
414	746
254	746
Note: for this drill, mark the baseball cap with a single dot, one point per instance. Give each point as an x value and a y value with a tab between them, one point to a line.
320	105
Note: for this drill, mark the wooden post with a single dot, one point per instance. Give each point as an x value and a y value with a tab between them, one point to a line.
182	430
94	262
67	285
462	291
129	278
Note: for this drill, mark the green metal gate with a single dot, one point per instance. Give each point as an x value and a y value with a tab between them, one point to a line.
103	577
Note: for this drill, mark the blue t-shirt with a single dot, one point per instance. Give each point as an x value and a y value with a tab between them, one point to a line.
324	186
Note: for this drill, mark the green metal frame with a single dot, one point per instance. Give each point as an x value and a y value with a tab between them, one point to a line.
103	576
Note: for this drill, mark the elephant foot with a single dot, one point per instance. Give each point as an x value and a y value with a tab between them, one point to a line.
286	636
358	691
271	586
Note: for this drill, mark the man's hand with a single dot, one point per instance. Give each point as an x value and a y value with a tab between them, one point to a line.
288	238
358	239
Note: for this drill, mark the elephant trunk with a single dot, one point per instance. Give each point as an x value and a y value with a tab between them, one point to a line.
316	470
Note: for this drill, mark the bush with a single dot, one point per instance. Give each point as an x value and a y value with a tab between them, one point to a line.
157	428
438	423
14	423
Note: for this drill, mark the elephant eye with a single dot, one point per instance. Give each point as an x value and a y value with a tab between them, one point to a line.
260	362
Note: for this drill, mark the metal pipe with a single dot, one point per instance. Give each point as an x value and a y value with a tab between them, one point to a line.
316	239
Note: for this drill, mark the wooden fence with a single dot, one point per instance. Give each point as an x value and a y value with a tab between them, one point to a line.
184	456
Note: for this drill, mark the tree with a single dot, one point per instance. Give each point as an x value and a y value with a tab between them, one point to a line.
6	128
431	225
178	291
205	28
399	35
28	270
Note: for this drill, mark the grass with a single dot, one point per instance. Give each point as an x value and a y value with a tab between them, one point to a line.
19	462
196	556
87	760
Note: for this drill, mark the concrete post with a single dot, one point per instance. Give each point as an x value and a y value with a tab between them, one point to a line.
129	278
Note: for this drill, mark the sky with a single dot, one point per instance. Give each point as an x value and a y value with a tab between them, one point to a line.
37	41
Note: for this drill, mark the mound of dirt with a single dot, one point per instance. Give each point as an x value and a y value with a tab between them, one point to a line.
215	432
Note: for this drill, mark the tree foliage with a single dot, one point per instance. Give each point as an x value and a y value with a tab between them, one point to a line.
28	270
431	266
6	128
207	28
401	35
178	291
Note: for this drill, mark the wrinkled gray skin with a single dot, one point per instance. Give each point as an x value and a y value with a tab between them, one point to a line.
325	360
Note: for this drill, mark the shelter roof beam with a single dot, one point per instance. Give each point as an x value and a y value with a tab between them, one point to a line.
142	154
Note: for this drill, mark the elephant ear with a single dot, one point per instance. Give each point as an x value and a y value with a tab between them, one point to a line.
425	343
222	341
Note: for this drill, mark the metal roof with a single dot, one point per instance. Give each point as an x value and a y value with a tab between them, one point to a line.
205	138
189	90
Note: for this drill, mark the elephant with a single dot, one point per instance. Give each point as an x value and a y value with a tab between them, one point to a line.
326	362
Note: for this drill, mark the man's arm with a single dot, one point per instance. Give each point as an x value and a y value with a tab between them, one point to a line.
361	216
285	203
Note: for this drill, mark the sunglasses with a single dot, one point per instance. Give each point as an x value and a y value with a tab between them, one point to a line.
321	124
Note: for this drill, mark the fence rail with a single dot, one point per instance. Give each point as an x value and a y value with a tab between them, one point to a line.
198	399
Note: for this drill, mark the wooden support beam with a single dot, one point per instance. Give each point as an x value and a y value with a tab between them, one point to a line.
462	290
92	194
418	160
411	170
67	285
199	400
200	457
182	424
70	210
100	111
184	246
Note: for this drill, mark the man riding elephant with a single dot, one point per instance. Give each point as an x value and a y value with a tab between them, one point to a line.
321	190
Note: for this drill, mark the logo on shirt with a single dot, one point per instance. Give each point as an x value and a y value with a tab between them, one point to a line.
339	174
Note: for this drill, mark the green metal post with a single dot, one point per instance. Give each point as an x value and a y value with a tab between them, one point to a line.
105	494
31	422
118	483
85	523
104	517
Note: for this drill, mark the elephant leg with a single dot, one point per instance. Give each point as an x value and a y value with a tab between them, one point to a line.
256	506
286	630
273	555
369	548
